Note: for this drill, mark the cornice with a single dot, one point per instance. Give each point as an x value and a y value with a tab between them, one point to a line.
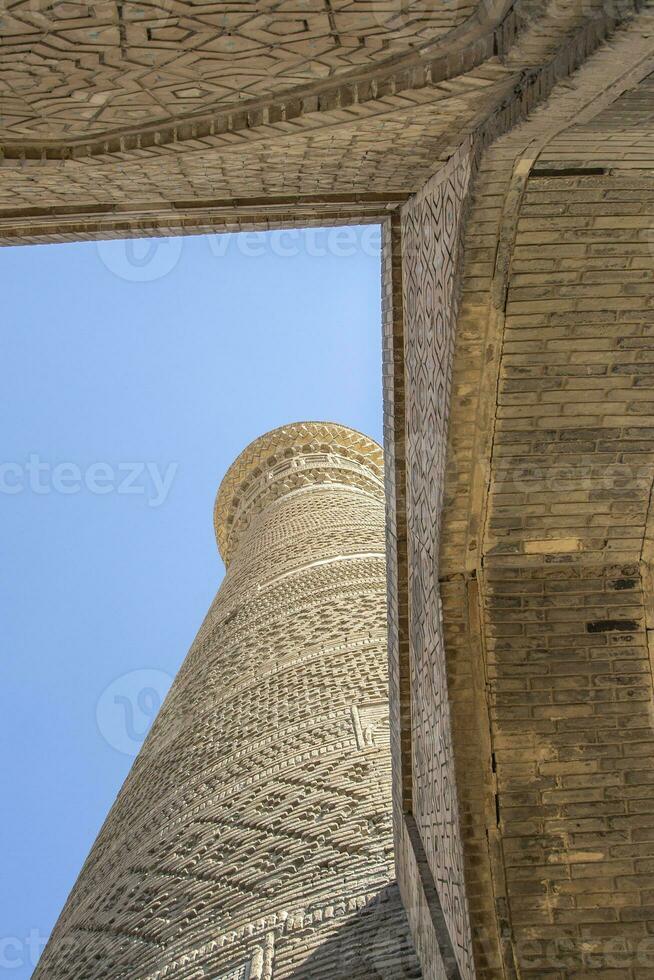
279	456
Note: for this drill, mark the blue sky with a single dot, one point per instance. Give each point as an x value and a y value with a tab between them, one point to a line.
131	376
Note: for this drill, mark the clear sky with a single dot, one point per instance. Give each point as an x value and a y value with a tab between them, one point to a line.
131	375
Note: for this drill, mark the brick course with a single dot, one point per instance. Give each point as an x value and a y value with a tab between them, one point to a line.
550	471
253	835
518	509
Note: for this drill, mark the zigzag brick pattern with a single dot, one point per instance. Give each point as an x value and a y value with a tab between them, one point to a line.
431	233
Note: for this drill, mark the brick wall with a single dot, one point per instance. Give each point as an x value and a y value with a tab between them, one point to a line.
570	677
545	554
420	309
462	672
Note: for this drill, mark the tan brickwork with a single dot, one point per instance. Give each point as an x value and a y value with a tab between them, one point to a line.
77	70
543	557
431	243
572	471
254	831
517	427
378	111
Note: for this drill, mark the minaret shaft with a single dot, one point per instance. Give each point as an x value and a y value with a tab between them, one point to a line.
253	835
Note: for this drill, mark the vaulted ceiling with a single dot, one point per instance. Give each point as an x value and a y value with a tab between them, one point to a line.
136	117
81	69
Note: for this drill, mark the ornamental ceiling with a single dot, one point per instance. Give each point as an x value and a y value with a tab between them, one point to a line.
139	117
81	69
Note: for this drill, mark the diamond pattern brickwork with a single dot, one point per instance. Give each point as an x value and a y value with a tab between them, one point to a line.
468	715
255	826
431	244
144	118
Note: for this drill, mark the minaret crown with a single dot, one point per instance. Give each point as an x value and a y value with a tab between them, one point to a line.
287	459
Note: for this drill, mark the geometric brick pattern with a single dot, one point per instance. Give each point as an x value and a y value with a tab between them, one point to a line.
238	973
254	834
152	119
75	69
431	243
522	742
388	147
511	898
254	481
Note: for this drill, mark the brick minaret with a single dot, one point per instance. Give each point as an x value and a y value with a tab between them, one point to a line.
252	838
